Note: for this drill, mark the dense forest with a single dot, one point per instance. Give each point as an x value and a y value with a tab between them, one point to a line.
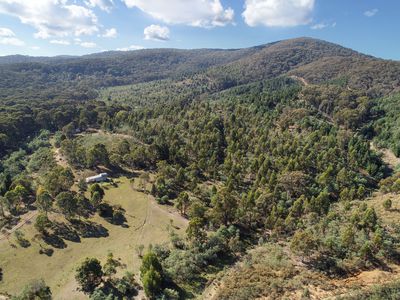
266	148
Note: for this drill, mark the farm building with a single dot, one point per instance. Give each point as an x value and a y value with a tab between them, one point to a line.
97	178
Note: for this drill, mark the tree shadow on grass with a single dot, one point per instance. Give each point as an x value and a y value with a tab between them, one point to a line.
184	293
88	229
110	287
66	232
113	214
328	266
54	241
46	251
117	172
380	264
12	221
394	256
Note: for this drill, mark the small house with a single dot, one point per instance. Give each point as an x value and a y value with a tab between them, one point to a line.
97	178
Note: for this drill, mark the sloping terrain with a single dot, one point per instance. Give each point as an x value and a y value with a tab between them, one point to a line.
109	69
271	272
146	223
315	60
273	157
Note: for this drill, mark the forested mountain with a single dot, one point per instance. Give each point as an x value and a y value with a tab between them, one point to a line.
53	77
269	154
315	60
18	59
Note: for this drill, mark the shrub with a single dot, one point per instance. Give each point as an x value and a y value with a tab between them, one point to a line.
170	294
163	200
387	204
127	285
89	274
152	275
42	223
152	283
35	290
21	240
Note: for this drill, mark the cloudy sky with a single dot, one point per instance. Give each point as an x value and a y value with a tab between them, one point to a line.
54	27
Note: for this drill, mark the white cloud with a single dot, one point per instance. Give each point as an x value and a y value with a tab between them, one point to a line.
371	13
278	13
52	18
110	33
105	5
6	32
35	48
88	45
198	13
83	44
156	33
7	37
130	48
60	42
320	26
11	41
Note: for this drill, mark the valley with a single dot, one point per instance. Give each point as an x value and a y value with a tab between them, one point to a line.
269	172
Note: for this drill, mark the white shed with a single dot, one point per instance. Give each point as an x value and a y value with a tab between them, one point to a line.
97	178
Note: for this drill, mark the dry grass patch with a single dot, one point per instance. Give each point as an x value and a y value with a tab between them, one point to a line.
387	216
146	224
266	272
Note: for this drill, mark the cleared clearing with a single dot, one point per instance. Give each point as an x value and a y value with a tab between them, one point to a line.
147	224
390	216
387	156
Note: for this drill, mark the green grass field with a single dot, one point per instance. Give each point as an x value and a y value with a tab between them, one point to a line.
147	224
109	140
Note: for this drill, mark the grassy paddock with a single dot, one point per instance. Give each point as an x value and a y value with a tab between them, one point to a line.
147	224
109	140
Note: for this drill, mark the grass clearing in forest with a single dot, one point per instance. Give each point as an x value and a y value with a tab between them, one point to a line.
146	223
387	216
100	137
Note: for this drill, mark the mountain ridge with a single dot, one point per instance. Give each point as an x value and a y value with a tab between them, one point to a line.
25	58
300	57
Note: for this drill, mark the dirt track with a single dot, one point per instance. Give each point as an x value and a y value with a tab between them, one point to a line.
27	218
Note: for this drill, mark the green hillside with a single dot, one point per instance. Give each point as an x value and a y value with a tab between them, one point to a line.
271	167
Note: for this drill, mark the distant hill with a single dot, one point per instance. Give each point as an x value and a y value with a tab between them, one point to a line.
315	60
18	59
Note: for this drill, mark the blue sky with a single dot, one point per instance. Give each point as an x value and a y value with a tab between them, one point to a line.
75	27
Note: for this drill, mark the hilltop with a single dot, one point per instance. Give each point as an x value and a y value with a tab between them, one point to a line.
315	60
